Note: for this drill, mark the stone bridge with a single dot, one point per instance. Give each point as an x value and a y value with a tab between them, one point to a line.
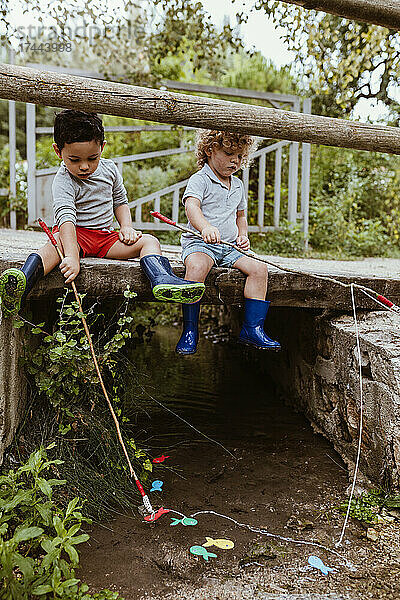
317	370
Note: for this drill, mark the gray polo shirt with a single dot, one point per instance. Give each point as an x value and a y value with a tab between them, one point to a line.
218	204
88	202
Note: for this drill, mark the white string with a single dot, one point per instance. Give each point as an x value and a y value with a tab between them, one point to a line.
274	535
338	543
393	310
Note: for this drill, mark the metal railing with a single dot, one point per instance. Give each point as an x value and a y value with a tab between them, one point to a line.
154	199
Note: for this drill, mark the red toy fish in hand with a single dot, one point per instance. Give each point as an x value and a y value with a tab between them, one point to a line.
160	459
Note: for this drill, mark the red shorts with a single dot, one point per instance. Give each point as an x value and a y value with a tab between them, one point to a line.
94	242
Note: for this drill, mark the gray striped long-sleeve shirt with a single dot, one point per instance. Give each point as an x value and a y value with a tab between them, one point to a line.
88	202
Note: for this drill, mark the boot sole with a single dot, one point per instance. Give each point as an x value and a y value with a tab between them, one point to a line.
185	294
185	353
12	288
270	348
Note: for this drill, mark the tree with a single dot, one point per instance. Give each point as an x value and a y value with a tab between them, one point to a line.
342	61
127	39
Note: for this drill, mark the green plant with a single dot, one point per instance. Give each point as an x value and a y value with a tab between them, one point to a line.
63	366
286	240
19	202
71	409
366	239
38	538
368	507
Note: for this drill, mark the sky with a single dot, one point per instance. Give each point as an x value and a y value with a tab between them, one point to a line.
259	30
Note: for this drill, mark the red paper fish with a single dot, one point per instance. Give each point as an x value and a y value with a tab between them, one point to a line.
156	515
160	459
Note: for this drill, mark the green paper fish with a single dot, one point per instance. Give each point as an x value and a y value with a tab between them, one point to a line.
201	551
220	543
185	521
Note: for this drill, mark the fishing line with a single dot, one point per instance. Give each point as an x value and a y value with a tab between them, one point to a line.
187	423
144	390
250	254
338	543
274	535
391	309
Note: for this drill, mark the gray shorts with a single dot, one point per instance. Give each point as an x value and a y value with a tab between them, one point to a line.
222	255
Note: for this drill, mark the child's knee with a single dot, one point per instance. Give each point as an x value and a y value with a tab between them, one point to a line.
197	271
149	241
260	270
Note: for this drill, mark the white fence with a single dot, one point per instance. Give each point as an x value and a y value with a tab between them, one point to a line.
40	180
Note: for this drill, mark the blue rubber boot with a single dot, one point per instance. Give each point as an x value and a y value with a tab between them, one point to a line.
166	286
15	284
252	332
190	334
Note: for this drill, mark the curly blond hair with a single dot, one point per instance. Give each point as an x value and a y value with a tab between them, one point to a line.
209	139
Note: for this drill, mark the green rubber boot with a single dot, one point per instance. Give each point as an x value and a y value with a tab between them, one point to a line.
15	284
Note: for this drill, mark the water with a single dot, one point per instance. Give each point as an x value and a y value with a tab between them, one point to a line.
282	477
219	390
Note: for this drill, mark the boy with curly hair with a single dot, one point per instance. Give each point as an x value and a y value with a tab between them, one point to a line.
215	206
88	191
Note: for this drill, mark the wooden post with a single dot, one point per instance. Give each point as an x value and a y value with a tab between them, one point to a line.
277	185
61	90
305	177
31	160
261	189
292	181
175	205
382	12
12	146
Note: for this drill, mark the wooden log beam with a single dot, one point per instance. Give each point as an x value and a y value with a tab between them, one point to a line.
379	12
60	90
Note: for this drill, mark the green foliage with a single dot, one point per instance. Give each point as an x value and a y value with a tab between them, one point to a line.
65	379
342	63
19	203
38	538
354	202
288	240
255	72
368	507
63	366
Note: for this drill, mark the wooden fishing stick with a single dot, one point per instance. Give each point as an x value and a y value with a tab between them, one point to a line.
366	290
145	498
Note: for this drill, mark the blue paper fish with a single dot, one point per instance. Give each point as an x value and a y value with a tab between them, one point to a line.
316	562
185	521
201	551
156	486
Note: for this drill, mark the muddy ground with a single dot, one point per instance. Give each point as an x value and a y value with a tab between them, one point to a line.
284	479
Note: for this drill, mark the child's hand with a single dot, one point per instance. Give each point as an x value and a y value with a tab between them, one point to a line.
128	235
243	242
211	234
70	268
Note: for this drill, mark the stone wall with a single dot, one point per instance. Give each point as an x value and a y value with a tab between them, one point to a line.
13	382
318	373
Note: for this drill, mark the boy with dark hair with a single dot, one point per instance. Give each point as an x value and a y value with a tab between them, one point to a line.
88	191
215	205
